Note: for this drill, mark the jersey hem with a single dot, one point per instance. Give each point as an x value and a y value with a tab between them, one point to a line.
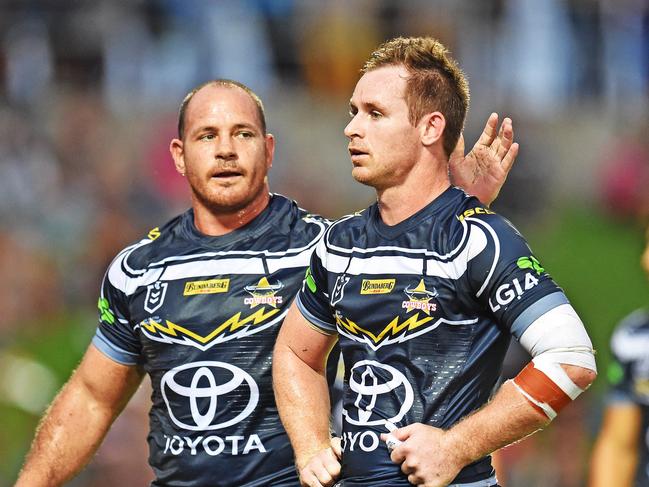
318	324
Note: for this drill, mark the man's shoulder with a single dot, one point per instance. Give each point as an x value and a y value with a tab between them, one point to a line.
299	226
345	228
157	244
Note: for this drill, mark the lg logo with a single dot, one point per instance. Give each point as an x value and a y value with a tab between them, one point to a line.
382	393
202	389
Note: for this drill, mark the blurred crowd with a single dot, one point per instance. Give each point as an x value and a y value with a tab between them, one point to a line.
89	92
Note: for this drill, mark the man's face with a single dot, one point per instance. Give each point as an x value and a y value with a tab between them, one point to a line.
383	144
224	153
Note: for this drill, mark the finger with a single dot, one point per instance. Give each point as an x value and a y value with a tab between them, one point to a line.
407	467
323	477
398	455
336	447
404	433
308	479
505	137
332	465
417	480
490	130
510	158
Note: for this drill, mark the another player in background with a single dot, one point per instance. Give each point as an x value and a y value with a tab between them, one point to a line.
197	305
422	290
621	453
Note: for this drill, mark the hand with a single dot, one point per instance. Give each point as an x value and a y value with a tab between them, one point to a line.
483	171
425	455
323	468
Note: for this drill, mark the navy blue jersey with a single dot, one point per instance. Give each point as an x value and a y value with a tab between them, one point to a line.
629	376
424	311
200	314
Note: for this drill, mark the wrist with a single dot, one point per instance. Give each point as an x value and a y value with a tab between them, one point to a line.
303	457
457	446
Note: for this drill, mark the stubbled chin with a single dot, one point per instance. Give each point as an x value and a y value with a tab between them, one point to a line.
362	175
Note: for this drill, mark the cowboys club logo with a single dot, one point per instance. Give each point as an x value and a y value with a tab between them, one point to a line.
155	296
378	384
263	293
419	298
201	387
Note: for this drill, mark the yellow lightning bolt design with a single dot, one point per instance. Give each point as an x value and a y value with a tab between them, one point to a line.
392	329
233	323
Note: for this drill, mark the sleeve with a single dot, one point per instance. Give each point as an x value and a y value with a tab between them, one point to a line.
115	336
313	299
629	345
620	378
506	277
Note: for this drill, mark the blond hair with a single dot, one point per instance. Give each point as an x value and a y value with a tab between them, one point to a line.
436	82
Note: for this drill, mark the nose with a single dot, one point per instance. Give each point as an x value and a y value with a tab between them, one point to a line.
225	149
353	128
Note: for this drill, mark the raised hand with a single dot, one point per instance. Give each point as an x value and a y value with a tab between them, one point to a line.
483	171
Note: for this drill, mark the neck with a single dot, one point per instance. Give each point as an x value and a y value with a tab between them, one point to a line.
401	201
217	223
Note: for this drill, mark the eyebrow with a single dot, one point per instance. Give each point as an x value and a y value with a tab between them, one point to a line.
235	127
368	106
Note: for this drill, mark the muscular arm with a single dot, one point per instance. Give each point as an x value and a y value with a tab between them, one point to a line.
615	455
77	420
302	396
507	418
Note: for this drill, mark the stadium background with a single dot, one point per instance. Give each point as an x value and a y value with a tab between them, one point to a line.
88	98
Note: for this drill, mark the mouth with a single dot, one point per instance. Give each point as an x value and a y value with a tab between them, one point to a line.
357	155
226	174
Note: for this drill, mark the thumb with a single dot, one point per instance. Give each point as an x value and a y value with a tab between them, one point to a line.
404	433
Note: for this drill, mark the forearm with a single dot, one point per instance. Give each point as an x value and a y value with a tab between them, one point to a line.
612	464
616	452
78	420
506	419
66	439
303	402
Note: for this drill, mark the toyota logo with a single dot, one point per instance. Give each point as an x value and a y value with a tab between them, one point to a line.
382	394
201	387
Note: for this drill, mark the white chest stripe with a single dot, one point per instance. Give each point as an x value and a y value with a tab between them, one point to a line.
188	270
401	264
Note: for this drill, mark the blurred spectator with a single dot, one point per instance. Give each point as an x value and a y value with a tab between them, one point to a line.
624	176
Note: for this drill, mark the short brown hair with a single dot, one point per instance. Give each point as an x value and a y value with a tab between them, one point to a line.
436	82
220	82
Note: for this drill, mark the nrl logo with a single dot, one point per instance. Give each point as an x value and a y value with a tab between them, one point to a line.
155	296
419	298
263	293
